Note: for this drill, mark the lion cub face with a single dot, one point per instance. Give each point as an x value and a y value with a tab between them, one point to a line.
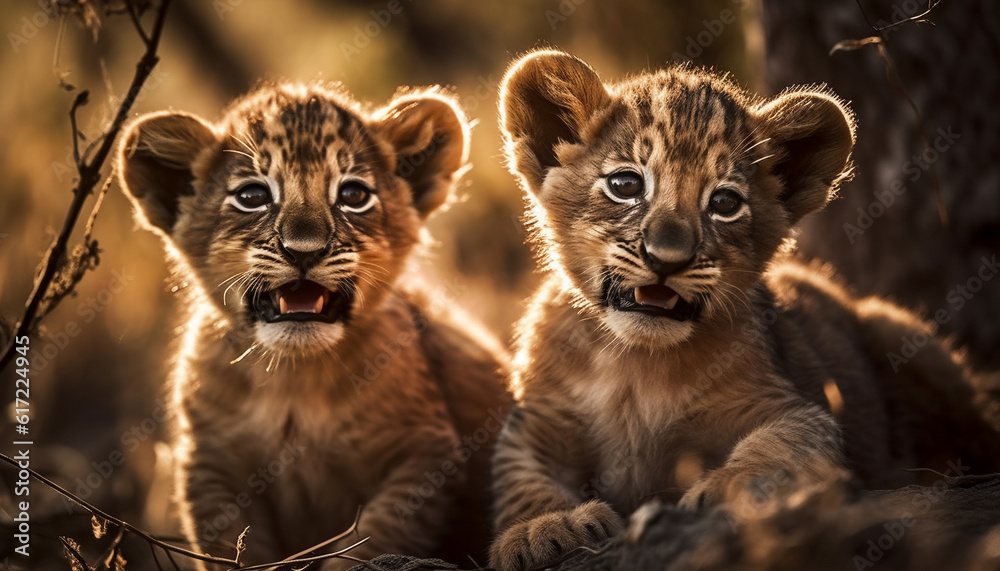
662	198
295	213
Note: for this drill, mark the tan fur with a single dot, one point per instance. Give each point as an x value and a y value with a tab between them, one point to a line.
781	378
291	427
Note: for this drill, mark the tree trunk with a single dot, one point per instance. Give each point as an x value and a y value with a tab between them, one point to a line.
885	234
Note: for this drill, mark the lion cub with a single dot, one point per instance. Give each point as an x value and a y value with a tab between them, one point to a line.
675	350
315	378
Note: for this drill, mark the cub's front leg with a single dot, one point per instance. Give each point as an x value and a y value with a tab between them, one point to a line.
413	503
797	445
536	483
215	509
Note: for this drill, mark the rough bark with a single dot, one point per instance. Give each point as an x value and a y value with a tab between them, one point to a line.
950	71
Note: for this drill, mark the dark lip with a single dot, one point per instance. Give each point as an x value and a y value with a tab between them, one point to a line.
263	306
621	298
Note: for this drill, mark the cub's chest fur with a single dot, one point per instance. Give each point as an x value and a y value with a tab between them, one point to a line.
642	412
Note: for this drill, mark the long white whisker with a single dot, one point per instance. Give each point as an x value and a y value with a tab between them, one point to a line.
247	155
245	353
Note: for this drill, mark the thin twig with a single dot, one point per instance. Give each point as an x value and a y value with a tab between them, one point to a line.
60	76
124	526
919	18
72	550
300	556
285	562
134	14
119	522
88	230
89	176
81	99
152	551
332	540
892	74
111	557
170	558
88	252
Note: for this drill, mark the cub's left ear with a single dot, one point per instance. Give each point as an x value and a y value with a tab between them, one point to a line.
813	134
430	136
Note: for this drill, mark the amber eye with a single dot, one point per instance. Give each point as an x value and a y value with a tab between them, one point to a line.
725	202
625	186
354	196
252	197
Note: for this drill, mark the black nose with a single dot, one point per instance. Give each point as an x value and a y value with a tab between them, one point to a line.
304	259
668	245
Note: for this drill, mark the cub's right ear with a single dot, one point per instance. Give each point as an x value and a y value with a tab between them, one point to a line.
547	99
155	164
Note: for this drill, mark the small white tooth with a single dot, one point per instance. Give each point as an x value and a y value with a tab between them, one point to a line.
282	304
318	306
672	302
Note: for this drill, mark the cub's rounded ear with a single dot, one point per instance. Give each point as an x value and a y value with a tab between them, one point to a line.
155	163
813	134
547	98
430	136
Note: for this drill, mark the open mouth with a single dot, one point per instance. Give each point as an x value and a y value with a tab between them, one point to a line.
304	300
653	299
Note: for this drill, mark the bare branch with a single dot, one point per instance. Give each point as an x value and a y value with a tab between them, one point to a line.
70	549
284	562
170	558
60	75
123	527
133	12
332	540
118	522
81	99
918	19
881	42
89	176
88	230
110	559
156	560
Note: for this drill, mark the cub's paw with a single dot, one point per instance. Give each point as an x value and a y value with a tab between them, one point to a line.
742	493
546	539
717	487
